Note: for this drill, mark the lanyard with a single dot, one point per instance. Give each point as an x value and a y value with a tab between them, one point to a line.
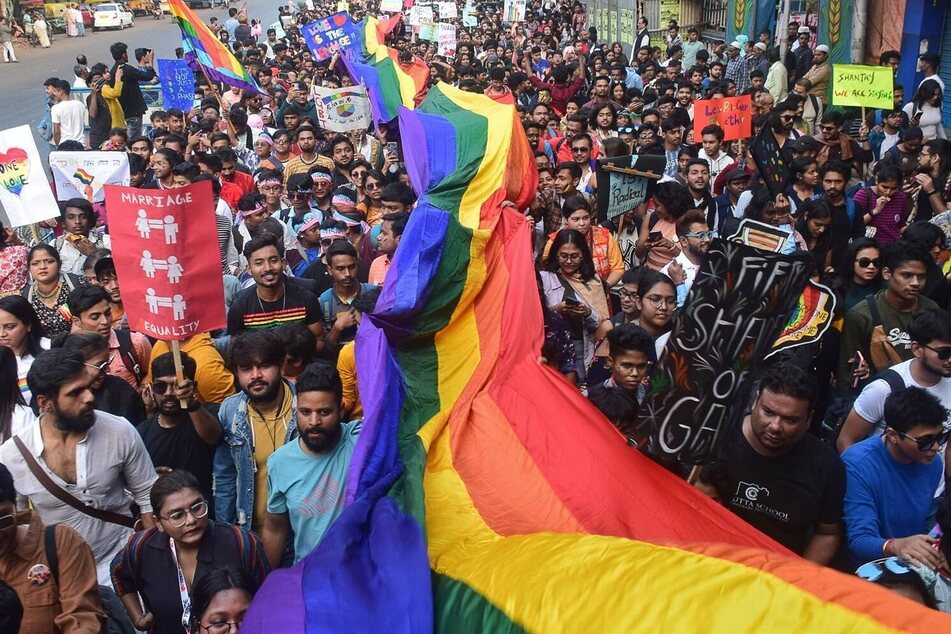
182	590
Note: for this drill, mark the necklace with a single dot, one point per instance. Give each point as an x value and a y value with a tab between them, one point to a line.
279	416
284	297
50	295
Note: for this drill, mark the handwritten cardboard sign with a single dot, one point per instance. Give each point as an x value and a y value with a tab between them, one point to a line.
618	192
25	195
178	84
869	86
733	114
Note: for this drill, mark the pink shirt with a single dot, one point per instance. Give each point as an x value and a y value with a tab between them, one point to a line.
892	218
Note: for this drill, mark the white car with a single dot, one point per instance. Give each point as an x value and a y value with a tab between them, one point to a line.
112	16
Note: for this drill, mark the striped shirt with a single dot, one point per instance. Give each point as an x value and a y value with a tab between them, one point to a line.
249	312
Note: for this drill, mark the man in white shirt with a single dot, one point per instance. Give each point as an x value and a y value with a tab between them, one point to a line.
928	64
87	454
712	138
930	369
694	238
68	115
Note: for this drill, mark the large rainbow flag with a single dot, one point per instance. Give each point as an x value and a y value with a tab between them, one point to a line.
203	48
389	83
486	494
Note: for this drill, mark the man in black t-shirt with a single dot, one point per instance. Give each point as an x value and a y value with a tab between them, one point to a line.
272	301
777	476
177	437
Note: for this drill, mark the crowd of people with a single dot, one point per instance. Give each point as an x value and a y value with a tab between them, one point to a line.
135	495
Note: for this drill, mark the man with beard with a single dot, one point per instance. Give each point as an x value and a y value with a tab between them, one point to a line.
83	453
836	144
847	223
256	422
698	184
113	395
177	436
308	158
929	369
297	98
933	176
694	238
307	479
275	299
341	151
335	302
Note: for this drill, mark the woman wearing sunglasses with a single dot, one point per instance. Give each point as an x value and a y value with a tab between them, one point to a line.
862	276
372	205
164	563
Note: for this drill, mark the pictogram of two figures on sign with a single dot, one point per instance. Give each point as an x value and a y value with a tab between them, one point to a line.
167	225
168	228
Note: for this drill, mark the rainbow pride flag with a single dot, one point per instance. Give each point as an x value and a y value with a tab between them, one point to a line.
204	49
377	66
83	176
486	494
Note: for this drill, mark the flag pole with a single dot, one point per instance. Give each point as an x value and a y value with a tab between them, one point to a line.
175	346
214	91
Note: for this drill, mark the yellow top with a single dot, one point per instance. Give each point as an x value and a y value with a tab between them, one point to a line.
213	382
268	434
347	368
111	95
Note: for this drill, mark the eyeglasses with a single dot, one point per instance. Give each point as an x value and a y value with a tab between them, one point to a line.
787	117
370	187
943	353
570	257
627	294
867	262
873	570
701	235
101	367
924	444
580	150
197	510
281	141
659	301
828	128
220	627
6	521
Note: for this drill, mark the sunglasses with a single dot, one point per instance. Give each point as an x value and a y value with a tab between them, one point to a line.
161	387
867	262
827	128
926	443
873	570
101	367
787	117
7	521
372	186
943	353
702	235
580	150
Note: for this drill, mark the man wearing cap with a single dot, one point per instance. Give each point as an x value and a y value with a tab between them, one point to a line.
759	60
803	54
820	72
736	68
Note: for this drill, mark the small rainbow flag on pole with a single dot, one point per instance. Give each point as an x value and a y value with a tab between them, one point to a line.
83	176
203	48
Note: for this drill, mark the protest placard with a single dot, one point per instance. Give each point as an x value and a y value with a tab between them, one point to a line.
278	30
809	320
513	11
769	160
342	109
178	84
733	114
328	35
448	11
761	235
171	280
447	40
25	195
620	189
738	304
866	86
428	31
83	174
391	6
470	17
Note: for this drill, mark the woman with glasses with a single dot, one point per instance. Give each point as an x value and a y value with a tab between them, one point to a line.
50	289
863	276
165	563
656	301
222	598
603	246
372	205
573	289
22	332
358	172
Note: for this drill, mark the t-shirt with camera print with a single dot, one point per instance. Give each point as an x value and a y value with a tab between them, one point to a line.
783	496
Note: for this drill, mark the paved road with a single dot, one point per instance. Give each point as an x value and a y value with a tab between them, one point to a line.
21	99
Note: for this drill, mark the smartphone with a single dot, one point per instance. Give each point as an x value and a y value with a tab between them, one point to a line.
654	236
571	301
391	148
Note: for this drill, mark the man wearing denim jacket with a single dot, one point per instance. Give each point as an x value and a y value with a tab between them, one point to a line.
256	421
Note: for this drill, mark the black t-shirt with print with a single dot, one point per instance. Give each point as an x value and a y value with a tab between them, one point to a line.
784	496
249	312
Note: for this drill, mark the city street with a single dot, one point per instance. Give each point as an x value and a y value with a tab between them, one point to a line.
21	100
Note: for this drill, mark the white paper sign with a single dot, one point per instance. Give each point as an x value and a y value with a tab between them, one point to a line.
342	109
391	6
25	194
469	16
513	11
82	174
448	11
447	40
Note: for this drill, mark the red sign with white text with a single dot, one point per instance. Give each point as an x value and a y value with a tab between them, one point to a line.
733	114
165	246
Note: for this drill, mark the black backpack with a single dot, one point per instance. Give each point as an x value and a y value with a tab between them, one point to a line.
840	407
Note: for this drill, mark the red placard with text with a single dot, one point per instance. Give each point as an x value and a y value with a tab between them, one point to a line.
733	114
165	246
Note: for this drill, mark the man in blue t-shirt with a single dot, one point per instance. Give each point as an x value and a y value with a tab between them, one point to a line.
891	482
307	478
